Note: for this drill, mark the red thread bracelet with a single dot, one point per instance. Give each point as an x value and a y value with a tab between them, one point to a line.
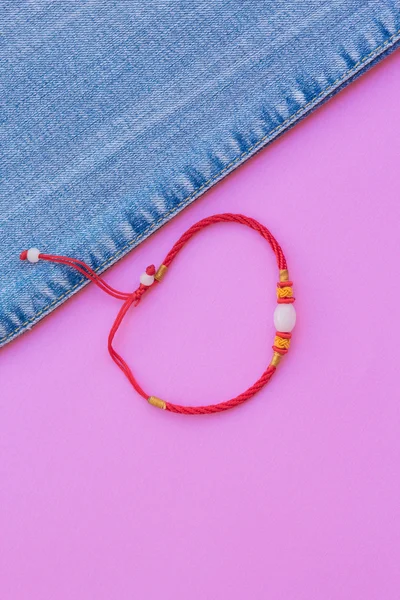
284	315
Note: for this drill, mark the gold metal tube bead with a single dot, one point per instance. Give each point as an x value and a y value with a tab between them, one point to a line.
154	401
276	359
162	269
283	275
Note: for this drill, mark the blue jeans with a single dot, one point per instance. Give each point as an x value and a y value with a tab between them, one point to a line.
115	116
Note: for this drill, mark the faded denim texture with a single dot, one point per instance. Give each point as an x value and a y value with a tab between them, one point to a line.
117	115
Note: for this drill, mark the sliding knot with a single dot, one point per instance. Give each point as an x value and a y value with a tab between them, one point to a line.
137	294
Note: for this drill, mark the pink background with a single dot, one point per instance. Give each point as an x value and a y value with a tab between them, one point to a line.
296	494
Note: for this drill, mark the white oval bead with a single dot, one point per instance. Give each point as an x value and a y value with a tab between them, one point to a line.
33	255
146	280
285	318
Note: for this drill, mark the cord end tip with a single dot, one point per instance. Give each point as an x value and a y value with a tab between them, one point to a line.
32	255
151	270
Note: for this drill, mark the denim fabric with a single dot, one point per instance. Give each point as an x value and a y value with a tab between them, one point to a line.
117	114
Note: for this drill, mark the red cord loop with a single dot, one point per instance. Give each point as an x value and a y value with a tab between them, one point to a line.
284	314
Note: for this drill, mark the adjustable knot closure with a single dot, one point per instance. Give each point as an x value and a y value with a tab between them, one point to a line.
137	294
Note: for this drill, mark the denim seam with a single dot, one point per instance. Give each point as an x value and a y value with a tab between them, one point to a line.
213	179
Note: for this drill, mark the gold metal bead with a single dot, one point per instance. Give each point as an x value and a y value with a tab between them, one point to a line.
283	275
154	401
276	359
162	269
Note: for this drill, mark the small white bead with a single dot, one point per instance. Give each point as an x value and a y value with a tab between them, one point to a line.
146	280
285	318
33	255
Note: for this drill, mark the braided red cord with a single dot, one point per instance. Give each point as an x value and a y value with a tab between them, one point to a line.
227	218
130	299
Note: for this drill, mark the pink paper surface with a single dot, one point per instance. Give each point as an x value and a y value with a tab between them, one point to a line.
296	494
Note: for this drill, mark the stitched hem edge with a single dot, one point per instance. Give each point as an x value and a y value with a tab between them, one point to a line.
262	142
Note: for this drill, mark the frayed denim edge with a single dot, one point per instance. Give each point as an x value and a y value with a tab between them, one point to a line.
368	61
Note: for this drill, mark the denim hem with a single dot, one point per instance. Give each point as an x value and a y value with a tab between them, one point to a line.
362	65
